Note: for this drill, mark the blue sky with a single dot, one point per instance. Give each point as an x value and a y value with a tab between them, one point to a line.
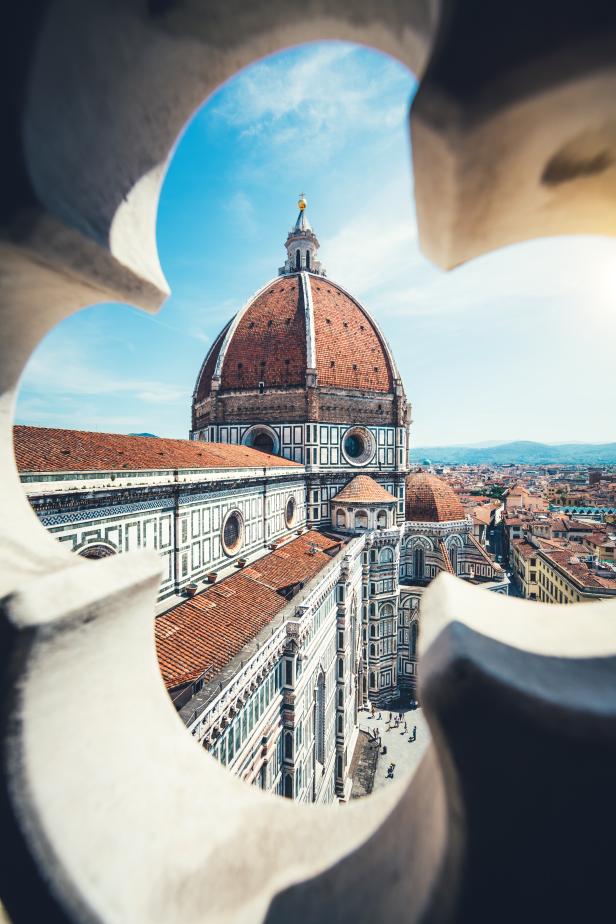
515	345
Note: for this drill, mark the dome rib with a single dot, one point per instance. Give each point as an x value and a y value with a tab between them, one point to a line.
298	323
429	499
268	343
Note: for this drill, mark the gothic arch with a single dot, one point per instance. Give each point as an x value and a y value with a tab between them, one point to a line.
386	554
361	519
413	637
423	541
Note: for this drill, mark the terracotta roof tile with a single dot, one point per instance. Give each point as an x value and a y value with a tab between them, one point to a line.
446	558
204	385
430	499
45	449
269	342
364	490
579	570
350	353
213	627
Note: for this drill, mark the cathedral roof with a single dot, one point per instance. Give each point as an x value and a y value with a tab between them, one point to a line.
298	324
45	449
364	490
430	499
213	627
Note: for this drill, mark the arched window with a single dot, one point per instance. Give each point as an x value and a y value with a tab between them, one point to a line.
288	786
361	520
372	651
97	550
263	442
453	557
340	518
319	719
298	260
413	643
381	519
288	745
307	259
387	555
419	562
372	681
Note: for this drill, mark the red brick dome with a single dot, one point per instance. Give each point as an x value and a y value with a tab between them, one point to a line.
431	500
298	324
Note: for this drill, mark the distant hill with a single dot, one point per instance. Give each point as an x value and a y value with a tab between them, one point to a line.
153	435
523	452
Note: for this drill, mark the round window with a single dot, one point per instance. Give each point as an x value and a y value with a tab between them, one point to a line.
354	445
358	446
290	512
232	532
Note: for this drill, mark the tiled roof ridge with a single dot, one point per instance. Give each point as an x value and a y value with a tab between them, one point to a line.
494	565
446	558
194	635
57	449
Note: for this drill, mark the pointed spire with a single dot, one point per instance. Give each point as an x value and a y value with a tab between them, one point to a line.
302	245
302	223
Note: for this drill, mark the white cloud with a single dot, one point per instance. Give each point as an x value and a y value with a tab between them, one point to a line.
376	255
311	102
241	209
63	369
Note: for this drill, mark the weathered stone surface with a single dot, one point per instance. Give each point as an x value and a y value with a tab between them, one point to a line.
111	815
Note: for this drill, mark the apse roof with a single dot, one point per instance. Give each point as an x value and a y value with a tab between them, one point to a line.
364	490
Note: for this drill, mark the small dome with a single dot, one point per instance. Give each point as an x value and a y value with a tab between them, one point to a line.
431	500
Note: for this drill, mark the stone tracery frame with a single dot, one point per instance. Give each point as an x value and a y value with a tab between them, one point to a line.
79	228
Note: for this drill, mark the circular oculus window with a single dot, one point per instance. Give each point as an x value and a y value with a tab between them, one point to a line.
232	532
358	446
290	512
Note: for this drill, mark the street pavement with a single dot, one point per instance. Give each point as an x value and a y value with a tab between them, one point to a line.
406	755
